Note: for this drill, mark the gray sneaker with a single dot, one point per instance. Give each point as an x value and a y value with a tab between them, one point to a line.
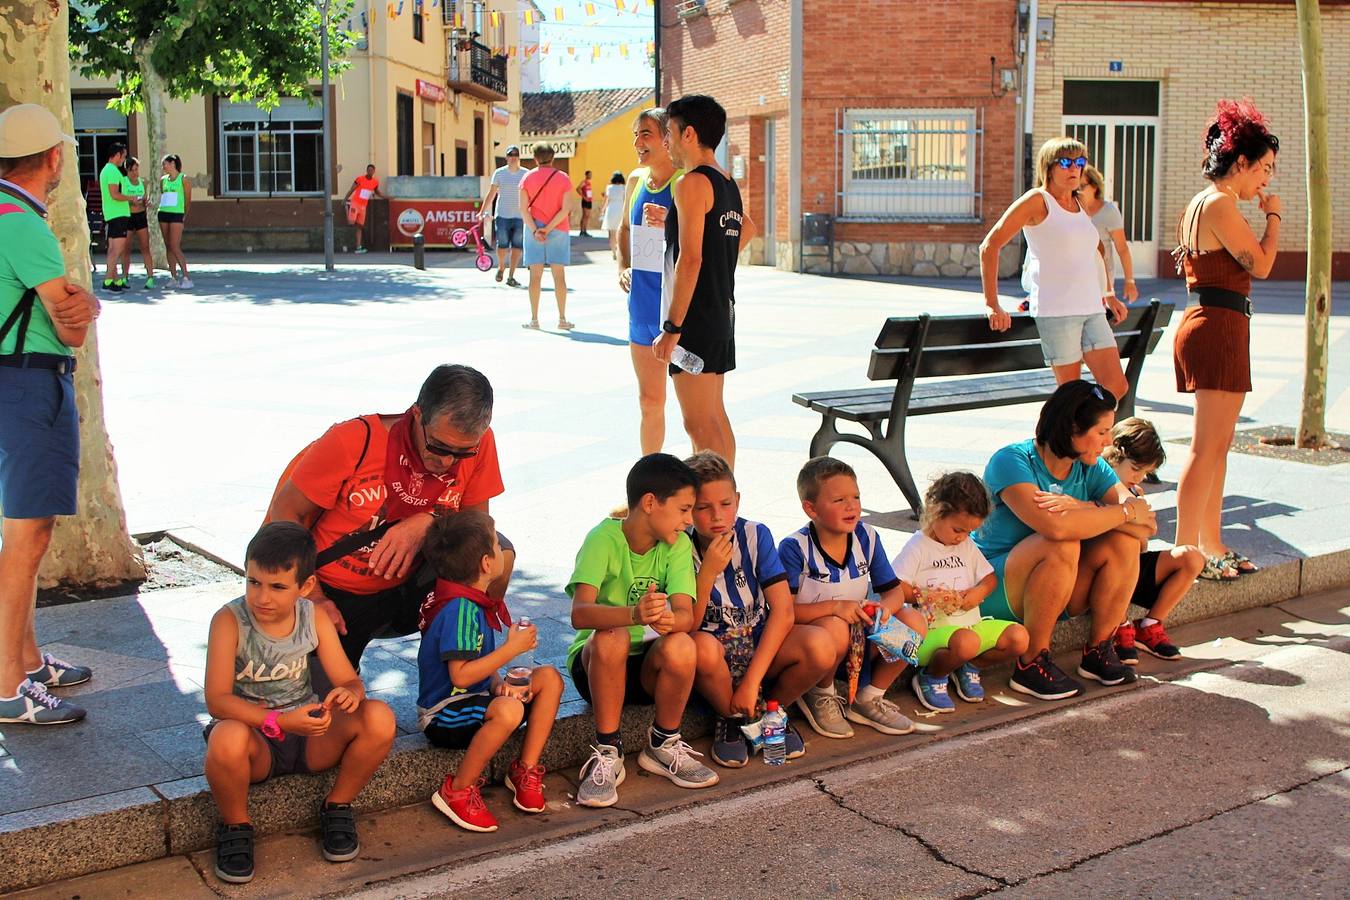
675	760
881	714
825	714
600	777
58	673
34	706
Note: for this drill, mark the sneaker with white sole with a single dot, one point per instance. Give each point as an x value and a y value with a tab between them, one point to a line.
674	759
825	713
881	714
968	686
57	673
600	777
186	284
932	691
34	706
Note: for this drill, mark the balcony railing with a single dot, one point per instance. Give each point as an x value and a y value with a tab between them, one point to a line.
475	70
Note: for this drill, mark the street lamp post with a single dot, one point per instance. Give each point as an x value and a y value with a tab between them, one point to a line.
327	148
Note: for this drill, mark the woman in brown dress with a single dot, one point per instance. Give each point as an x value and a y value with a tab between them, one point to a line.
1219	254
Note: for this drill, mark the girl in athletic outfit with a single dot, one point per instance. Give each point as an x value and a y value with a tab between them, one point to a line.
139	229
175	196
647	201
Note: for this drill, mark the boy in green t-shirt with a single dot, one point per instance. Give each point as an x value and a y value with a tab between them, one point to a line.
630	644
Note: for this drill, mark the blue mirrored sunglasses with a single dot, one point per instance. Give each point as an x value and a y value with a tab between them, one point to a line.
1065	162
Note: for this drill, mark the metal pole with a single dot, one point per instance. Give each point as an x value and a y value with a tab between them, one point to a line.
327	148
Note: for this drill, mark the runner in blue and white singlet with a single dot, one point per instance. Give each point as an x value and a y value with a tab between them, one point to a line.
645	309
814	576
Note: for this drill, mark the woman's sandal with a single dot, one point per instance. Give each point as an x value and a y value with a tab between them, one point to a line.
532	325
1240	564
1217	568
565	325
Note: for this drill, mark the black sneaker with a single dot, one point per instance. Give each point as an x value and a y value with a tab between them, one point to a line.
728	745
1100	663
793	744
339	832
234	853
1042	679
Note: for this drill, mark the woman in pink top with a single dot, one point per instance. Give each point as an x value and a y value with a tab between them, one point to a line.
545	201
1064	272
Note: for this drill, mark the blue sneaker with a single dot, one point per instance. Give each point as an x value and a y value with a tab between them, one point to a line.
968	686
34	706
57	673
932	692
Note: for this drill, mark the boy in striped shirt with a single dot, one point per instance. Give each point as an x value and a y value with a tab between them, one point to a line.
834	565
745	631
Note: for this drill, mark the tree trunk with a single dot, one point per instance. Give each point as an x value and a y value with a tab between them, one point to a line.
152	105
92	549
1312	427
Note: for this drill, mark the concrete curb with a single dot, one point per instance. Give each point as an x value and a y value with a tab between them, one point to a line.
175	817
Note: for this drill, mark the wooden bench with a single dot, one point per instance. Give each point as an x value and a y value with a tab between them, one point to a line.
913	350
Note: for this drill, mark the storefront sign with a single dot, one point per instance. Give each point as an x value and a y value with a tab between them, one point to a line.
501	115
429	91
561	149
436	219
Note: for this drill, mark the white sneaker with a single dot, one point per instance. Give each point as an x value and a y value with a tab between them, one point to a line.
881	714
600	777
186	283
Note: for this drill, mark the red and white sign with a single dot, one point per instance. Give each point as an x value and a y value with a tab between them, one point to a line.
430	91
501	115
436	219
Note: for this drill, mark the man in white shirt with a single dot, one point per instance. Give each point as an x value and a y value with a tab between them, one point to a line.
509	231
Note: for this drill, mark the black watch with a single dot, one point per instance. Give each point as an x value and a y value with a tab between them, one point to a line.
670	327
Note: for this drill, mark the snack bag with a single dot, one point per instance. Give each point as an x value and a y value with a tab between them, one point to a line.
895	640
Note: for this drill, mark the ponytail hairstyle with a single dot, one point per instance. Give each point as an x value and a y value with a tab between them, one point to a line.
175	159
1237	131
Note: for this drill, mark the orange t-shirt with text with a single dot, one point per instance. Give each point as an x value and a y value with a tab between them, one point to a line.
365	189
352	496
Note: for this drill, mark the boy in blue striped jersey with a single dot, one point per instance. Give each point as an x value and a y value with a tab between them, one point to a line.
834	565
745	630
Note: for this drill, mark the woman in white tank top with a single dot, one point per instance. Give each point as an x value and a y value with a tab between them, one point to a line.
1064	273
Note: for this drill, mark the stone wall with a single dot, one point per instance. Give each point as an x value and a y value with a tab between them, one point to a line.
928	259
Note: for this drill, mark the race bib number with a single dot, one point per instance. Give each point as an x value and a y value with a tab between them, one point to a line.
365	193
168	198
649	248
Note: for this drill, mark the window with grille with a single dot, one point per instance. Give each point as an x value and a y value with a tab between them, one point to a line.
267	153
910	164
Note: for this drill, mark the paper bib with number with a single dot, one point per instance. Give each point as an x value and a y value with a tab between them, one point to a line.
168	198
649	248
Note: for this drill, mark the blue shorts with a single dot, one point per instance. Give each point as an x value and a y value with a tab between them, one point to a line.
556	249
509	233
644	308
1064	339
996	605
39	444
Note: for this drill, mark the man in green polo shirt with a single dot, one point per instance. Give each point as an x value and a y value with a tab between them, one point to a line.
42	316
116	214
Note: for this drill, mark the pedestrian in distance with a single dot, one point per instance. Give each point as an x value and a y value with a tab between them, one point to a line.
43	318
1064	271
1110	231
545	203
175	199
946	576
357	199
139	228
508	228
1219	255
706	230
587	194
116	215
647	200
750	647
463	702
633	574
836	568
266	719
612	210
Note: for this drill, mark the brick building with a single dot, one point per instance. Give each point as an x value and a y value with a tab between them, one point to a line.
1138	81
899	120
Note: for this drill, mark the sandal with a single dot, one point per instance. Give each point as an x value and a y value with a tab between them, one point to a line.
532	325
1240	564
565	325
1217	568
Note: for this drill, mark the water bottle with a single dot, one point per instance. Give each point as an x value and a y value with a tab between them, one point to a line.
690	362
775	735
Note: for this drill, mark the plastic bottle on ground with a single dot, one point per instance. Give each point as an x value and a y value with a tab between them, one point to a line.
775	735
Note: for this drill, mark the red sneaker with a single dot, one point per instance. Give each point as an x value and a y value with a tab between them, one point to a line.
527	785
465	808
1153	639
1125	648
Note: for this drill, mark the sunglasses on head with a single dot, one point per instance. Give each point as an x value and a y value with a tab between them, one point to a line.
1066	162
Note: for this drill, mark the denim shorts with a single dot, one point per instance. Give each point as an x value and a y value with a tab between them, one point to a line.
556	249
39	444
1064	339
509	233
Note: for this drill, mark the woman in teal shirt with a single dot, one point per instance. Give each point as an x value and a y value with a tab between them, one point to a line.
175	196
139	229
1063	538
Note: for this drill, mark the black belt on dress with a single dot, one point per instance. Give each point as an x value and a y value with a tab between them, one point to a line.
1223	298
63	365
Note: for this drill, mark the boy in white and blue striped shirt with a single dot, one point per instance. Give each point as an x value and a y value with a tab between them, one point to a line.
834	565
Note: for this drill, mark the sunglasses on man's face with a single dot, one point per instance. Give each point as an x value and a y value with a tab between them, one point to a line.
439	449
1066	162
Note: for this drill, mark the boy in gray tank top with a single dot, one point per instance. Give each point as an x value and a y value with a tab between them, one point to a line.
266	718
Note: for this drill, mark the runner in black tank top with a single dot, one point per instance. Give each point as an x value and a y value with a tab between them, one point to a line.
708	329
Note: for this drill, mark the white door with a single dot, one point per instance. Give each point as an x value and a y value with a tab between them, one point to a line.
1125	149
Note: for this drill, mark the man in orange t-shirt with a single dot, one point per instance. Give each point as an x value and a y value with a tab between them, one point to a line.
369	489
358	196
